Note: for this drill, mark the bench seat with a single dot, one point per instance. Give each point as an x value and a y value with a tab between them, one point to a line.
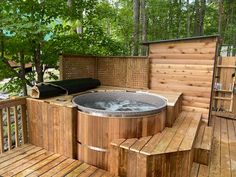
165	153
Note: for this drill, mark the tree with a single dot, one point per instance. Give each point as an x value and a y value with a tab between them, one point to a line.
143	22
37	31
136	12
188	19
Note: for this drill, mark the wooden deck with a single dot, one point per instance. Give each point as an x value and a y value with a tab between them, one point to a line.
223	157
29	160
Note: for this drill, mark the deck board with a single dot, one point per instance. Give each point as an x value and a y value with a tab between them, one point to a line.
223	156
33	161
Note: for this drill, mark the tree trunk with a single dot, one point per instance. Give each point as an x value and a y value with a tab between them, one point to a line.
220	17
136	11
5	61
22	72
2	43
202	16
69	3
179	18
197	19
38	65
188	19
170	25
144	26
220	20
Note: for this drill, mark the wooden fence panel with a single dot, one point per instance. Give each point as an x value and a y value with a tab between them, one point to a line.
185	66
131	72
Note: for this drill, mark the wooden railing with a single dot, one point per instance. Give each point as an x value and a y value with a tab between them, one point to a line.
13	123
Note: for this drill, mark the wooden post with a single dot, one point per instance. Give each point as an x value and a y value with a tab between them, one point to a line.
16	126
9	128
24	124
1	133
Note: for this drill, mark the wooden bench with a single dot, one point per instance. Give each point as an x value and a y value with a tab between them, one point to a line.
169	153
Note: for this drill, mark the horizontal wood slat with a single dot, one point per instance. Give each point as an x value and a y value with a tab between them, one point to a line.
187	67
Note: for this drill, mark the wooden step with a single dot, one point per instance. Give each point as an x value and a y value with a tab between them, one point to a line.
199	170
140	157
202	145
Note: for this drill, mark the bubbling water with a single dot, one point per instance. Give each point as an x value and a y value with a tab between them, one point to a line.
120	105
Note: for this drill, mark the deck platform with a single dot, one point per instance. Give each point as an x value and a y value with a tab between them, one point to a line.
223	157
30	160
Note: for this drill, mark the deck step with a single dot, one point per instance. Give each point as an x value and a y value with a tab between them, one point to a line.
143	156
199	170
203	143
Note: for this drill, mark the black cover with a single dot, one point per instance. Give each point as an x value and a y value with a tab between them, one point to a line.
57	88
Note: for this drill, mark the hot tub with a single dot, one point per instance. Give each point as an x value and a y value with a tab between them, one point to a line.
105	116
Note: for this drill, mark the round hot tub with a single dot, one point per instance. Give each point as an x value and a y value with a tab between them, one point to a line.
107	115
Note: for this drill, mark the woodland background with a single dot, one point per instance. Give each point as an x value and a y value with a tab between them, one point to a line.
36	32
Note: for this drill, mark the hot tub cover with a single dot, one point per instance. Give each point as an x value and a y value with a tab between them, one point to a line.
119	103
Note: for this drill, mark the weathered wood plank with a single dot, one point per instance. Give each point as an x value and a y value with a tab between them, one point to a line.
12	102
232	145
47	167
30	169
98	173
9	138
16	126
203	171
224	150
215	157
19	156
148	148
1	133
24	124
88	172
207	138
77	171
58	168
14	153
138	145
68	169
128	143
19	163
194	170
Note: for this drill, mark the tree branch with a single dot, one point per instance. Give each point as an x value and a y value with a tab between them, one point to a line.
4	60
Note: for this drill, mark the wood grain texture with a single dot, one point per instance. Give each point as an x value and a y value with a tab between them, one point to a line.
30	160
168	153
1	133
187	67
222	162
203	145
52	127
225	70
99	132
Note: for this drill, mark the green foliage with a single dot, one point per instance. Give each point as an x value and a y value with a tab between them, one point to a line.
50	28
92	27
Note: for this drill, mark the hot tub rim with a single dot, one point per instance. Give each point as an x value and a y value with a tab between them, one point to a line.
121	114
